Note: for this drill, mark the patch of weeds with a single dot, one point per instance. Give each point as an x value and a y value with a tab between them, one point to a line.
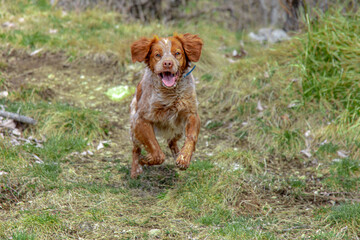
344	173
97	215
243	228
73	121
214	125
328	148
197	194
287	140
50	170
22	235
161	195
330	73
42	4
31	94
58	118
52	153
241	135
56	147
207	77
44	220
263	126
34	39
200	165
347	214
247	160
296	183
123	169
325	235
246	108
216	217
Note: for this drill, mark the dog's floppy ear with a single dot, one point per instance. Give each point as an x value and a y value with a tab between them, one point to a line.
192	45
141	48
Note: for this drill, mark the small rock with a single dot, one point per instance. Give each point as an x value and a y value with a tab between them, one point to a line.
269	35
16	132
154	232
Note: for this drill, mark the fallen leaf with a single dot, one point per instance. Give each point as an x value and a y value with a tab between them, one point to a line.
259	106
36	52
306	152
343	154
100	146
53	31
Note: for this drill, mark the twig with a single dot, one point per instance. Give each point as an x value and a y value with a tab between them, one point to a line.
18	117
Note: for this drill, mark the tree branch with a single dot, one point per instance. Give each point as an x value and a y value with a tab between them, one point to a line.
18	117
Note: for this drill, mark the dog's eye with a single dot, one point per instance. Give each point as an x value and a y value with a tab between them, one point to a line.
158	55
177	54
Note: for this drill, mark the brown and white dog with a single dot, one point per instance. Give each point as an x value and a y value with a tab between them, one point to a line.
165	100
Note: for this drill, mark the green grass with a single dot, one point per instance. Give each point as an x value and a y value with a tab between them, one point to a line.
330	62
242	228
344	174
41	220
344	218
21	235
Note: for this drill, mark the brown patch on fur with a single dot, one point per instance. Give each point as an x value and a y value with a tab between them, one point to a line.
138	92
151	58
177	46
141	48
192	45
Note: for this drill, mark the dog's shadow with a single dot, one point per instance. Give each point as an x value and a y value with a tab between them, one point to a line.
154	179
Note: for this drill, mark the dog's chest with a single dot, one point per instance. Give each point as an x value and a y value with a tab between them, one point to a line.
169	116
169	112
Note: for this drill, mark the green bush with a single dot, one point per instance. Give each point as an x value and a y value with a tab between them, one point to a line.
330	62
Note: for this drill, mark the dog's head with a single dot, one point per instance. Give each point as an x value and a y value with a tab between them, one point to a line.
168	57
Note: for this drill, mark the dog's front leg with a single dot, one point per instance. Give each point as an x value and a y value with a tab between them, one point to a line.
144	133
192	130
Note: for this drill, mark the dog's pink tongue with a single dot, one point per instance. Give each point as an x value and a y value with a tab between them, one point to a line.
168	80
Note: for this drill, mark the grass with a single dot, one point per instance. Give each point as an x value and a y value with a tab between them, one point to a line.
249	177
329	62
344	218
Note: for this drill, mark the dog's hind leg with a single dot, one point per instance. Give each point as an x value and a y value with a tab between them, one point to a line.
136	168
173	145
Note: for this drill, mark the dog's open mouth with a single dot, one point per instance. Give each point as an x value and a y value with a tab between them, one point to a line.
168	79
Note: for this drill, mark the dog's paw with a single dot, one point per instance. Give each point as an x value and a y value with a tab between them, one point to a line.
154	159
183	161
136	171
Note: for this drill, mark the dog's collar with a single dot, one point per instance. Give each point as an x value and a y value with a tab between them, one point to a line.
190	71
